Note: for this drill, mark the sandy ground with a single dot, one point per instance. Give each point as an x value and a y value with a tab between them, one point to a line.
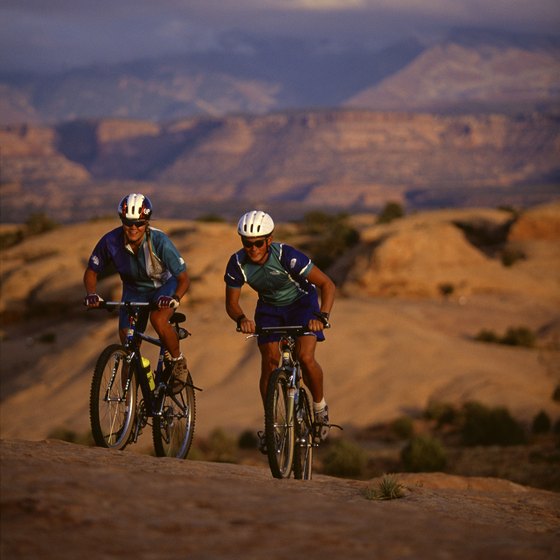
61	500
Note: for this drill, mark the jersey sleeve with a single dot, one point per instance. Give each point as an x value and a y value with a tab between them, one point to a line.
295	262
234	277
100	256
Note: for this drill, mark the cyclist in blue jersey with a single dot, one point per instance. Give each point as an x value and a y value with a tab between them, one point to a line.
287	282
151	270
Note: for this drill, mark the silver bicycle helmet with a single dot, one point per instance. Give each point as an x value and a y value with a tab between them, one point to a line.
255	224
135	206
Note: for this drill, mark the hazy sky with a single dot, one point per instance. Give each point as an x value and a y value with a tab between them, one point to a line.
45	34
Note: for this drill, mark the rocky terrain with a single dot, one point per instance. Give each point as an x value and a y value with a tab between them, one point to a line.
398	343
60	500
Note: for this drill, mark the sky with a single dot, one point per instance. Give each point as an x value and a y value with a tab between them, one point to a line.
46	35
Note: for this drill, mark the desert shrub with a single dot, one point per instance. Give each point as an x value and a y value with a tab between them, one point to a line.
210	218
220	447
10	238
514	336
344	458
71	436
38	223
247	440
541	423
441	413
446	289
486	335
388	488
424	454
556	394
330	236
391	211
490	426
403	427
519	336
510	256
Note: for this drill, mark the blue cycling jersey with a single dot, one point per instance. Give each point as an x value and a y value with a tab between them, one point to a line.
280	281
145	271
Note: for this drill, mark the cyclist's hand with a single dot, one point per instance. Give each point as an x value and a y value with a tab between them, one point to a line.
322	322
165	302
92	300
247	326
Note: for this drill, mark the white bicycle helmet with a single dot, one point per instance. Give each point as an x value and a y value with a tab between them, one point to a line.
135	207
255	224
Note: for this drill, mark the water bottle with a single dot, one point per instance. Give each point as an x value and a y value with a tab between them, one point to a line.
148	372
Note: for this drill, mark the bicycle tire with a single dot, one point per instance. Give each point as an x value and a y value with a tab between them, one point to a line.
279	425
111	413
173	431
303	448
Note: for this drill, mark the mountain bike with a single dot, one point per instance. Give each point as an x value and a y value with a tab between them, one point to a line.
117	416
290	430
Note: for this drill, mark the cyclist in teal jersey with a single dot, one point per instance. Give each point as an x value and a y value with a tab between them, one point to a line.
287	283
151	269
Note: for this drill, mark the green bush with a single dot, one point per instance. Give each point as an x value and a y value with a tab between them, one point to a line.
330	236
247	440
38	223
388	488
441	413
403	427
424	454
490	426
220	447
510	256
514	336
541	423
344	458
519	336
391	211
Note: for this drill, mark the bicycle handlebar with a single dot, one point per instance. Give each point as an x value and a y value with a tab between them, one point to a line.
109	305
289	330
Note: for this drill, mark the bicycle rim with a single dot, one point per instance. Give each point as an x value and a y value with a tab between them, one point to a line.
173	431
112	406
303	449
279	425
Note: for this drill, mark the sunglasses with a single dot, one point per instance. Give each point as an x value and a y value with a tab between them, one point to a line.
248	244
137	223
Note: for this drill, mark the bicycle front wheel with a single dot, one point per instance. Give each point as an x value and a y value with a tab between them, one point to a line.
279	424
112	402
303	449
173	430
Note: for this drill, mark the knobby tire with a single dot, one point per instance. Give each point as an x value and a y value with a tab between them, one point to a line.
303	449
279	425
173	431
112	413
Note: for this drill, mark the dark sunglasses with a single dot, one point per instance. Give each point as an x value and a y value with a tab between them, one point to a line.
248	244
138	223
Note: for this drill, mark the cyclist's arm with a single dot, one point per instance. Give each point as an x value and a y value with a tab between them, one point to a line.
90	281
234	310
327	289
183	283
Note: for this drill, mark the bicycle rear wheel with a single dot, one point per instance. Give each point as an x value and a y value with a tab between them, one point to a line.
279	424
303	449
173	431
112	406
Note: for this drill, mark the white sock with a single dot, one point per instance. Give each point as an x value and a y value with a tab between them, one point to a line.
317	407
179	357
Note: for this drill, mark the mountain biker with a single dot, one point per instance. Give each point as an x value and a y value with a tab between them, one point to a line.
151	270
286	281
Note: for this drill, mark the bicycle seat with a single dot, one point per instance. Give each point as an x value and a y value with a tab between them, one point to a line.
178	318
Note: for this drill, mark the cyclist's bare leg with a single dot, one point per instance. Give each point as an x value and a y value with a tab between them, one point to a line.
311	370
270	356
165	331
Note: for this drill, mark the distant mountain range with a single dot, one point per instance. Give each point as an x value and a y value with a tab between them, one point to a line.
468	71
472	120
